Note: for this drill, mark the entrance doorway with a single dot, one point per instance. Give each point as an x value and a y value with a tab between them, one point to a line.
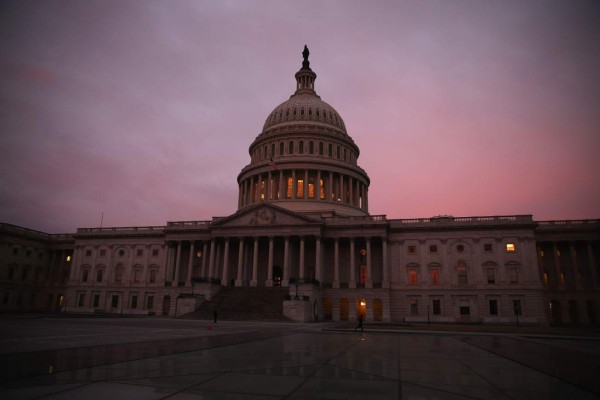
276	276
166	305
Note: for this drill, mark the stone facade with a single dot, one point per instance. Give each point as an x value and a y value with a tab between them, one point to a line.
303	223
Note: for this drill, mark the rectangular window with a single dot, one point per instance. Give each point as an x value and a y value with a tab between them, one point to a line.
433	248
134	301
119	274
465	311
487	247
114	303
28	253
462	275
99	275
414	307
514	275
155	253
493	307
81	300
88	253
510	247
152	275
412	249
96	300
102	253
412	276
517	307
15	251
300	189
137	273
437	308
24	274
150	302
491	276
435	276
139	252
84	276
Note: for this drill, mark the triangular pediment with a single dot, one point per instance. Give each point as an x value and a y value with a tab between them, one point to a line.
265	215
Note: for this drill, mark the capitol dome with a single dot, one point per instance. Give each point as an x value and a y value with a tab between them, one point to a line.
303	159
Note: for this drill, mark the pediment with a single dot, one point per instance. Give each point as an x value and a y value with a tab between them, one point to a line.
265	215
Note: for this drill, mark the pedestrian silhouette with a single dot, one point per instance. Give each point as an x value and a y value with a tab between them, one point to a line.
360	323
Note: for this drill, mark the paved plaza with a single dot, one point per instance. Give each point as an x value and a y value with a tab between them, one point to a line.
160	358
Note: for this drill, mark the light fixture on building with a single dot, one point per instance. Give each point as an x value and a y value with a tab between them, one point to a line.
68	258
363	303
199	254
510	247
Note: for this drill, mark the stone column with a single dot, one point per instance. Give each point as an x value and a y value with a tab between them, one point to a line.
575	268
301	268
211	262
336	263
366	198
369	283
146	265
281	186
318	185
294	184
129	268
268	187
203	268
305	192
239	281
74	260
286	265
318	259
330	196
592	261
342	189
352	283
350	192
386	271
225	263
556	263
269	282
188	280
254	281
177	264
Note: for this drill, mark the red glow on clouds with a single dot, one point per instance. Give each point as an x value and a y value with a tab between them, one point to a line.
145	111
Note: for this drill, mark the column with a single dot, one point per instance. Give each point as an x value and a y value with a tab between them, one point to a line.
129	268
350	192
74	261
301	268
177	263
246	193
211	263
281	186
254	280
240	195
352	284
556	264
225	264
369	283
294	184
366	198
575	268
269	281
146	265
362	195
305	194
268	187
61	268
318	185
318	259
286	265
238	281
386	272
52	272
591	260
190	265
203	272
341	189
330	196
336	263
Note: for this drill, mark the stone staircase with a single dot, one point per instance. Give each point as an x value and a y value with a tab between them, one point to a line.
244	304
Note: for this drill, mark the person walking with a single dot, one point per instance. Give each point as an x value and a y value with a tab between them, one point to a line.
360	323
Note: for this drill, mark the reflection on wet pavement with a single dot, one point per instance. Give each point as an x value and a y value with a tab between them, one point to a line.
280	364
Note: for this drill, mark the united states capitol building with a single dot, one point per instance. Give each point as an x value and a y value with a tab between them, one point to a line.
303	239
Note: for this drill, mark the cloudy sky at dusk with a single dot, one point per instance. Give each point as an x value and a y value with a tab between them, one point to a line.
144	110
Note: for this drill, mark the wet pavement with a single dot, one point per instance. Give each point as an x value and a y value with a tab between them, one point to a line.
177	359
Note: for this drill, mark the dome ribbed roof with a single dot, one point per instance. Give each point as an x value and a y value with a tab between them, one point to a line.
305	107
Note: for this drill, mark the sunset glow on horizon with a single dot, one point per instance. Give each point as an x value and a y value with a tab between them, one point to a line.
143	111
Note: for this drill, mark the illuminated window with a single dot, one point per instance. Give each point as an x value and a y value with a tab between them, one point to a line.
322	189
435	276
541	253
562	278
288	192
412	277
545	277
510	247
311	188
300	189
262	190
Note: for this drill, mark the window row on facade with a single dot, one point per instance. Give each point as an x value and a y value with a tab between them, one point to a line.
490	274
508	247
304	184
305	113
272	151
102	274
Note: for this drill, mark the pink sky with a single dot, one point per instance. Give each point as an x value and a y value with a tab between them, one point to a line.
144	110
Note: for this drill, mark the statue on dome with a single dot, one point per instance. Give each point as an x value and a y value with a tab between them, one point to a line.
305	53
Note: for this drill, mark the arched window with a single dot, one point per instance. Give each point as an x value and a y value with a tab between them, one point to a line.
287	112
301	147
272	149
281	146
330	150
311	147
320	148
291	147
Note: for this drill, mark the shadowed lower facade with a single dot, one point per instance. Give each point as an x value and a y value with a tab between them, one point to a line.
303	223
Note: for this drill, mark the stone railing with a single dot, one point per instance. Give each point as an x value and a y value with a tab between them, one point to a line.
450	220
187	224
572	223
121	229
343	220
